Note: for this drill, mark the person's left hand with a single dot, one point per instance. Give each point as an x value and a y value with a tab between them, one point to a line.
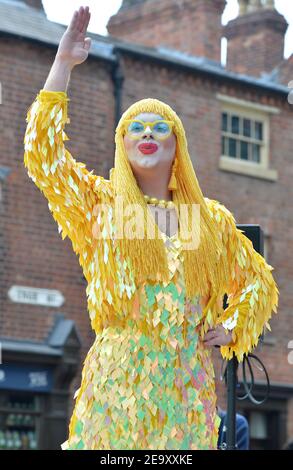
217	337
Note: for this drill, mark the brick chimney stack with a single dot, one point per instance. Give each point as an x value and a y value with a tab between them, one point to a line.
37	4
255	38
190	26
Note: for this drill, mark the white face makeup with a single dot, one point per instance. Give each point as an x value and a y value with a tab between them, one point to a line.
161	157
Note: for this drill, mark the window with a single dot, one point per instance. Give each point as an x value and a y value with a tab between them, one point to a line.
264	427
242	138
19	421
245	138
268	422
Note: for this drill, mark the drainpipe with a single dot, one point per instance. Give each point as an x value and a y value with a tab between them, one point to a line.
118	79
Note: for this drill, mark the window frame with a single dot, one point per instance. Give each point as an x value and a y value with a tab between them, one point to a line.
229	134
255	112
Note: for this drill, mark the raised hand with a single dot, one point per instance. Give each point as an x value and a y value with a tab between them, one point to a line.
74	46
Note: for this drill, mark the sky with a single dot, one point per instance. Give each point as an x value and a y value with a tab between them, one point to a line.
61	11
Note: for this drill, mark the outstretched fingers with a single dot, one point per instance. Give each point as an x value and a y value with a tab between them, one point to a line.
80	20
73	23
86	20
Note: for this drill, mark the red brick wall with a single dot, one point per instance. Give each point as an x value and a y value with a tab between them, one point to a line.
285	75
190	26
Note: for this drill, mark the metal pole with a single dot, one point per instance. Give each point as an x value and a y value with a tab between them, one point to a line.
255	234
231	403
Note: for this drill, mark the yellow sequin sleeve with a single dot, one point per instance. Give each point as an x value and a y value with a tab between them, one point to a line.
252	291
71	190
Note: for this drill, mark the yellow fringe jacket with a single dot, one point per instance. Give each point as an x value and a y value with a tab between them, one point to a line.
73	194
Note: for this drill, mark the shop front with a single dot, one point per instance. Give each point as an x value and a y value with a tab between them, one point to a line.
34	388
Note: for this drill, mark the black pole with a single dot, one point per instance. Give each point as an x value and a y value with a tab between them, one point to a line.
255	234
231	403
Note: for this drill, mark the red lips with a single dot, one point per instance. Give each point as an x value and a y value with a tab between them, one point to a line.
148	148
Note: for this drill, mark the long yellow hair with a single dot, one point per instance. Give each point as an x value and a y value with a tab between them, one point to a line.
204	267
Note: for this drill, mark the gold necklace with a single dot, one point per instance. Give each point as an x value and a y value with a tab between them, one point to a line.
159	202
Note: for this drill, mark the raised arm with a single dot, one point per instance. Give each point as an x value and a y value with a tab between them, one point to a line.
73	50
252	291
71	190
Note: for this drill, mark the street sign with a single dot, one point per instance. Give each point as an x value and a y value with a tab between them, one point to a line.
36	296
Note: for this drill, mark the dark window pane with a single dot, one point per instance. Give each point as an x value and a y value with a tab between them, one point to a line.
255	153
224	146
232	147
244	150
247	127
258	130
224	122
235	125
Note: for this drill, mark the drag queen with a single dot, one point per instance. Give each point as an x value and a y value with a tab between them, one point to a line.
155	302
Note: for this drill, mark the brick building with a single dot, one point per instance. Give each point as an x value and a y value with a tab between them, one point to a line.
239	128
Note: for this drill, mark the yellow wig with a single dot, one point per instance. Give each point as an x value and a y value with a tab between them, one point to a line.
205	267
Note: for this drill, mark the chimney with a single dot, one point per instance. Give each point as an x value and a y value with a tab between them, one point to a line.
37	4
284	73
255	38
190	26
